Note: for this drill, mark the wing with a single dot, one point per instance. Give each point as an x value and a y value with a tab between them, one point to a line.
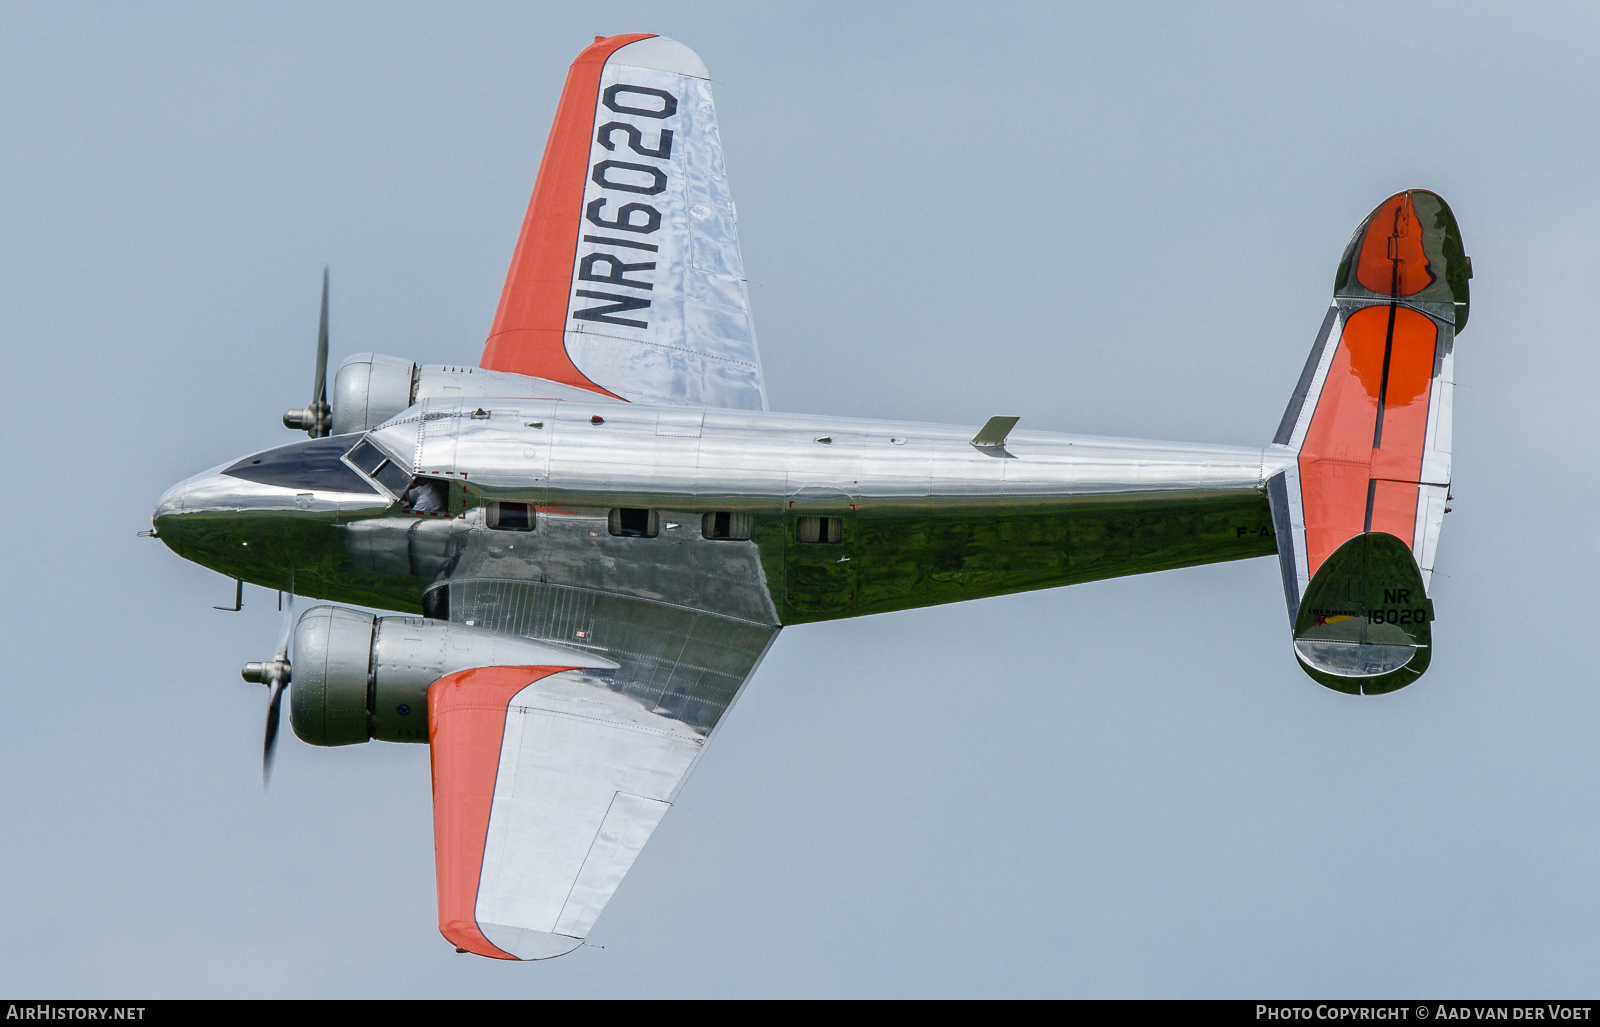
547	781
1367	445
627	278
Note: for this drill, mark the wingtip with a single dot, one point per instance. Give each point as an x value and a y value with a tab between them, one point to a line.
662	54
529	945
465	936
499	941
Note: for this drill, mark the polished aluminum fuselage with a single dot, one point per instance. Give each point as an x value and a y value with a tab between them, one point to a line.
926	517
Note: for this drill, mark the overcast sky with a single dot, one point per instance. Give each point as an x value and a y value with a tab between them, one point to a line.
1121	219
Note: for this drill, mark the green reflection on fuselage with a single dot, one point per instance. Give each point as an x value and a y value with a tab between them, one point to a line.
885	560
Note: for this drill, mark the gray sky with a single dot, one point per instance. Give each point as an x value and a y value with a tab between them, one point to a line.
1108	218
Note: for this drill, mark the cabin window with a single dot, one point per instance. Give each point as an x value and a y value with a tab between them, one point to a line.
734	527
632	523
503	516
819	529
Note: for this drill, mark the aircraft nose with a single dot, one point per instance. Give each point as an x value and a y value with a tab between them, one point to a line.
168	514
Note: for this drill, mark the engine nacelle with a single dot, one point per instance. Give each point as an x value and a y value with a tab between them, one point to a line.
370	388
354	676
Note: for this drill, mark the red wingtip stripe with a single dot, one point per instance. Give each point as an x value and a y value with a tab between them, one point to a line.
466	725
526	337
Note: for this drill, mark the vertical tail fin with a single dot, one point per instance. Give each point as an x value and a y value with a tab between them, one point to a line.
1364	451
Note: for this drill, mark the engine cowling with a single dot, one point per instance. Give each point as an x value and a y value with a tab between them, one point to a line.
354	677
370	388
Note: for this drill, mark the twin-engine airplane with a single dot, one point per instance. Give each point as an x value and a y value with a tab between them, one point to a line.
603	528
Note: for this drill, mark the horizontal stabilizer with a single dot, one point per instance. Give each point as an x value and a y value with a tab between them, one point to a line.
1364	448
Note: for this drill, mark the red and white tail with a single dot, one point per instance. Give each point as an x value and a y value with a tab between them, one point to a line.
1365	444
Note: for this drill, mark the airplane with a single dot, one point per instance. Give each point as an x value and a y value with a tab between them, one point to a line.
590	540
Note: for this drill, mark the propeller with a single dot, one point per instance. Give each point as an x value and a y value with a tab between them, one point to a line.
275	675
316	420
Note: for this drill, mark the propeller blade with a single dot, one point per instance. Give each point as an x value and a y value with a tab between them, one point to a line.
270	747
319	390
283	672
286	627
316	420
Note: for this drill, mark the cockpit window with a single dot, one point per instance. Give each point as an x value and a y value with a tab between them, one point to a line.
393	477
367	456
311	465
380	467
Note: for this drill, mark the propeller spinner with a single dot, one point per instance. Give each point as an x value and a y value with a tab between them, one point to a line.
316	420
